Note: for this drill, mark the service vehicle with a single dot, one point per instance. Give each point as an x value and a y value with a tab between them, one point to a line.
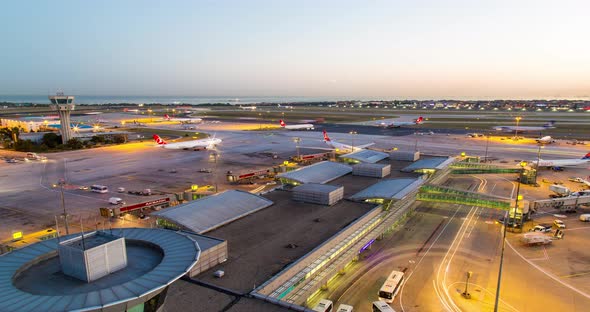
559	224
116	201
391	287
381	306
344	308
532	239
585	217
543	228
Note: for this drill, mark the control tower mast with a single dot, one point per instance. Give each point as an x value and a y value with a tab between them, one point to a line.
64	104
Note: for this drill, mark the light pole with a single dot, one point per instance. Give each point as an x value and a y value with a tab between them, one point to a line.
538	159
506	221
416	142
466	294
352	133
63	205
485	158
297	140
516	131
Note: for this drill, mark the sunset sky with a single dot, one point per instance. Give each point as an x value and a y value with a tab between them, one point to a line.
420	48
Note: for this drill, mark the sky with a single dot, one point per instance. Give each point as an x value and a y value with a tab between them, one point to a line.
414	49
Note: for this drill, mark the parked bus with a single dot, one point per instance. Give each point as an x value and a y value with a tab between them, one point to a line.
324	305
381	306
99	188
391	286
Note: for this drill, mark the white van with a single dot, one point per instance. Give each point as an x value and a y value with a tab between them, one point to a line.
585	217
116	201
324	305
344	308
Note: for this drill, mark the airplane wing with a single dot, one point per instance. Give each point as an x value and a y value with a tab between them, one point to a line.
364	146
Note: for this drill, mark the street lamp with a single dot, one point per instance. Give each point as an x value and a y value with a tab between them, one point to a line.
506	222
297	140
485	158
61	183
352	133
541	146
516	131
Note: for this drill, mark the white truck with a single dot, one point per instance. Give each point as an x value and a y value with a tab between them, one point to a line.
533	239
560	190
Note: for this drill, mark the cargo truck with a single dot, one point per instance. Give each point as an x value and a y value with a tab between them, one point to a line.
560	190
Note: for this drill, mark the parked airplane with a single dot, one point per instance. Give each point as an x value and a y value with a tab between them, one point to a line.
344	147
545	140
182	120
562	162
549	125
296	127
285	106
202	144
399	124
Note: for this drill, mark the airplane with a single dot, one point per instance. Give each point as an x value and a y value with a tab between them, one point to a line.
296	127
344	147
285	106
549	125
182	120
399	124
248	107
562	162
202	144
545	140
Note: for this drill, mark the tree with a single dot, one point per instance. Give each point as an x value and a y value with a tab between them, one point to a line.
51	140
119	138
97	139
24	146
11	133
74	143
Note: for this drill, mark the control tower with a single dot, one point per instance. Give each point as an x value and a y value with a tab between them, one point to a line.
63	104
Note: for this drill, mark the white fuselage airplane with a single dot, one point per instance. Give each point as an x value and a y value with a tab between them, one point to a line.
248	107
344	147
549	125
399	124
562	162
295	127
182	120
545	140
202	144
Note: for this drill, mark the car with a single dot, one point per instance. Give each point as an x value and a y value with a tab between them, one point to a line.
543	228
83	187
12	161
559	224
205	170
121	189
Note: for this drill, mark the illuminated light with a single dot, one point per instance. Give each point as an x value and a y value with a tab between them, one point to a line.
122	122
367	245
194	187
463	154
17	235
520	197
286	162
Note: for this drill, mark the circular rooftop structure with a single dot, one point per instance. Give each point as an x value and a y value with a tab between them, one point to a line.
31	278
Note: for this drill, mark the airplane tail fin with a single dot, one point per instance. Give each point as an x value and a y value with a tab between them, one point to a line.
283	124
419	120
166	117
326	137
587	156
159	140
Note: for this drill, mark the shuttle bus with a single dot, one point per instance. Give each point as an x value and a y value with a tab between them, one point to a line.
99	188
391	286
381	306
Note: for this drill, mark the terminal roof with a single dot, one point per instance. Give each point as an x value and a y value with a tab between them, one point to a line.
179	254
366	156
389	189
315	187
429	163
322	172
207	213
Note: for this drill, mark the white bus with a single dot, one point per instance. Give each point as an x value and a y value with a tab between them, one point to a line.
382	306
324	305
391	286
99	188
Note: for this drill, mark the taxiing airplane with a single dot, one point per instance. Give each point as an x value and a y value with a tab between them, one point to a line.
545	140
202	144
248	107
549	125
296	127
399	124
344	147
182	120
562	162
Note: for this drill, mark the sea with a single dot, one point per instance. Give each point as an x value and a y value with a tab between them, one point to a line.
176	100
